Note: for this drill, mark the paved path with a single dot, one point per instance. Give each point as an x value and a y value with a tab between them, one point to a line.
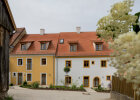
29	94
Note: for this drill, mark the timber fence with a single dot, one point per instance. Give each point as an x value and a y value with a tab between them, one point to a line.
121	86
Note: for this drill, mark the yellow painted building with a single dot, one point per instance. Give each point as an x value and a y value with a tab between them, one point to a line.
32	59
18	69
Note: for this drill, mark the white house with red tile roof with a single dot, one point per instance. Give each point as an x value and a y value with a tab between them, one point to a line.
86	56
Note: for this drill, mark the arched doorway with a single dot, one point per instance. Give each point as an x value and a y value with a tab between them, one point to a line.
96	82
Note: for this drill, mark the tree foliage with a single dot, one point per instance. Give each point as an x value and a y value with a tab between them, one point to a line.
136	27
117	26
127	57
118	21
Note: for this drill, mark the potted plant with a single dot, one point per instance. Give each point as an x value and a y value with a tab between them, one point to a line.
66	69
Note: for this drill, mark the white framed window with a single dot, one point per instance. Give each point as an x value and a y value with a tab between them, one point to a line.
29	64
19	62
43	61
14	74
29	77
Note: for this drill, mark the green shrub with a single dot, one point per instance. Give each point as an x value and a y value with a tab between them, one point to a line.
51	86
82	87
66	69
100	88
25	83
11	84
74	87
8	98
35	85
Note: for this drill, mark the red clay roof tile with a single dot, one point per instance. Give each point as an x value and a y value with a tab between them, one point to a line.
84	42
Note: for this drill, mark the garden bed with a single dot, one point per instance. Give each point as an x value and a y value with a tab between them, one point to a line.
101	89
104	91
63	88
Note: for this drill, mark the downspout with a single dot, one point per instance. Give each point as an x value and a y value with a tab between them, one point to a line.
54	70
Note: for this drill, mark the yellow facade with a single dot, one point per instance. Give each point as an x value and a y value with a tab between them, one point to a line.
37	68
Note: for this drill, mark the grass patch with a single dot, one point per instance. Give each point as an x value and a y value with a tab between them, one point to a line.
8	98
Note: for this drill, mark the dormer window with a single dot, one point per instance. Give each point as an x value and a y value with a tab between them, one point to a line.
23	46
26	45
45	45
61	41
73	47
99	47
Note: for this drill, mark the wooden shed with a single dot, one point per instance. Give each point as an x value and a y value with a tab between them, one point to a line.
7	27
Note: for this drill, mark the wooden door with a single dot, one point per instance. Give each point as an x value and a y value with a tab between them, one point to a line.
96	82
43	79
19	78
86	81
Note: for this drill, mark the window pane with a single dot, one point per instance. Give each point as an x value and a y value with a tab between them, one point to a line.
68	63
23	46
103	63
20	62
73	47
29	64
108	78
67	80
86	63
44	61
29	77
98	47
43	46
86	81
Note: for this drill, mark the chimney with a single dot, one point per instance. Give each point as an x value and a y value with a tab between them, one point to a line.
42	31
78	29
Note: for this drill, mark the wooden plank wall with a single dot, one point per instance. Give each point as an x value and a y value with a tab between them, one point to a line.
123	87
4	60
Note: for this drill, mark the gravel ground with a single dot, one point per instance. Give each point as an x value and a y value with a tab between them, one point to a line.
29	94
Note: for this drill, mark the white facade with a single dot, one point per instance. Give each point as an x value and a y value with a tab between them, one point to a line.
78	71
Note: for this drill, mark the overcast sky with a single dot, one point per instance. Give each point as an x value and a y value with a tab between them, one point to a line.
61	15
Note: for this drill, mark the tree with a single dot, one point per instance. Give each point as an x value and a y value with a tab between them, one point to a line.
136	27
117	26
118	21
